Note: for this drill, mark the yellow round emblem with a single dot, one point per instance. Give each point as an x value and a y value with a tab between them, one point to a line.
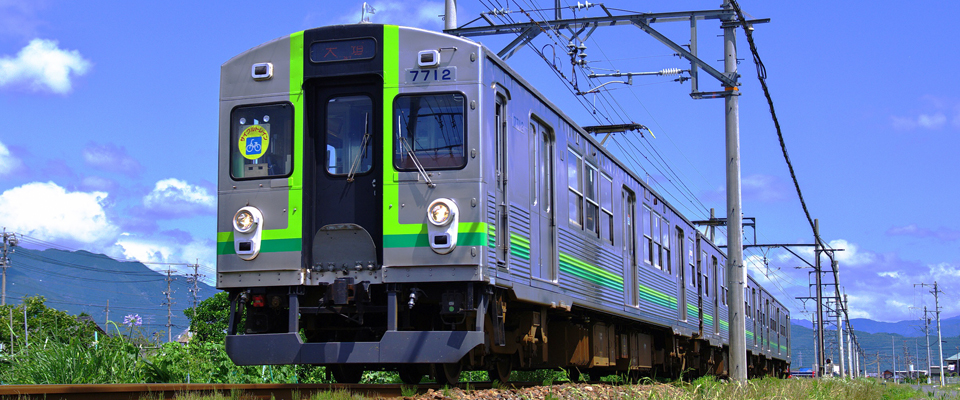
254	141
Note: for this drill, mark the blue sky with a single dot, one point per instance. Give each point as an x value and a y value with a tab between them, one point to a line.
110	126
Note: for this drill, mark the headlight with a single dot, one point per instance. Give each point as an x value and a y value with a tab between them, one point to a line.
243	221
439	213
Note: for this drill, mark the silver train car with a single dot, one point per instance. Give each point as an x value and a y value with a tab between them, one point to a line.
391	198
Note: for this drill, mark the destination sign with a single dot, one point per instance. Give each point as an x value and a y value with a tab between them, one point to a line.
343	50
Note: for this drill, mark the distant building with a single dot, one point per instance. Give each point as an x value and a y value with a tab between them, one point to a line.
184	337
950	364
89	320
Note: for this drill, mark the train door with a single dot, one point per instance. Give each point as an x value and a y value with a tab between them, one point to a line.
699	279
345	125
543	206
681	277
717	295
501	228
630	245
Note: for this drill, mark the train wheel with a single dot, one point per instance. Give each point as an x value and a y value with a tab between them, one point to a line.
501	370
410	375
448	374
347	373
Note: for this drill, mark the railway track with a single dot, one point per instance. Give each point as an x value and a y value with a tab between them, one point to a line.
256	391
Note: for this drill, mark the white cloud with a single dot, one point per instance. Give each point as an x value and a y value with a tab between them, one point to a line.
175	198
851	255
8	163
425	15
934	121
889	274
110	157
97	183
164	250
49	212
43	66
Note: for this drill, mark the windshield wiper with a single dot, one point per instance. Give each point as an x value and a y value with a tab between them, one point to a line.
413	156
363	148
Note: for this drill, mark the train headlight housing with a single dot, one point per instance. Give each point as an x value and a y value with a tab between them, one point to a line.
244	221
444	218
439	213
247	225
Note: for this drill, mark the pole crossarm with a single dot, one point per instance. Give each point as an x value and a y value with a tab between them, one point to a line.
726	80
582	23
521	40
526	31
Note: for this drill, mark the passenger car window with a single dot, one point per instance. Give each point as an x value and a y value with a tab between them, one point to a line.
432	128
261	141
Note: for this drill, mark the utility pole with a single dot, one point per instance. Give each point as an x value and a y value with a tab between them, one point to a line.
926	335
851	369
893	348
106	320
840	332
9	240
194	278
169	304
936	309
879	377
450	14
816	239
736	274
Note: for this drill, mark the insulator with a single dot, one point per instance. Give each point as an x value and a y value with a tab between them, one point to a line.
583	55
670	71
582	47
570	45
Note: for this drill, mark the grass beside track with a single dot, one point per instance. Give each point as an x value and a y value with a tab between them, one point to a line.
700	389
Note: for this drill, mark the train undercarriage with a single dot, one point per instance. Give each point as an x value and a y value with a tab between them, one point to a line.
441	329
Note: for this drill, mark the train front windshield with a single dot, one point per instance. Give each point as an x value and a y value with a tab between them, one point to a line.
432	128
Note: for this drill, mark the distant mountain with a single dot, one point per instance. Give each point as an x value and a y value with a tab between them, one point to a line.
908	328
83	282
908	349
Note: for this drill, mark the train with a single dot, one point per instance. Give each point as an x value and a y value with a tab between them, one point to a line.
392	198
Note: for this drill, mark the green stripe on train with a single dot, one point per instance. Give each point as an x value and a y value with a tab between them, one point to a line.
656	297
266	246
591	273
519	246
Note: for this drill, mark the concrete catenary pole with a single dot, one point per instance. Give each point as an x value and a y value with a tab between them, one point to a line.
926	334
736	274
450	14
821	354
851	368
839	324
936	304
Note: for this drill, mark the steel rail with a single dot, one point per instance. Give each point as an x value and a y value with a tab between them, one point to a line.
137	391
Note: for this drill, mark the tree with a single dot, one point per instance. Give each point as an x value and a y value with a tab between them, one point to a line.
210	322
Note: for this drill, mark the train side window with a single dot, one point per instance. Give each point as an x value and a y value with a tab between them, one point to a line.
647	223
665	247
592	208
261	141
606	207
433	128
706	275
746	300
349	128
535	163
656	248
721	292
574	166
692	261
